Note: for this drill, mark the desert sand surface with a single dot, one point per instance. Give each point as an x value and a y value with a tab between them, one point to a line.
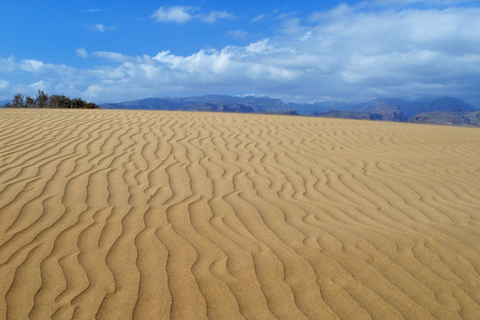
113	214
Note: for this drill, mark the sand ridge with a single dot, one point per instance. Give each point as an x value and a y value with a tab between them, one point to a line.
115	214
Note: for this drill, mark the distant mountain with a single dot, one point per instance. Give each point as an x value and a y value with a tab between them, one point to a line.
474	117
455	118
387	112
408	108
323	106
382	112
206	103
374	104
144	104
449	104
258	104
411	108
440	111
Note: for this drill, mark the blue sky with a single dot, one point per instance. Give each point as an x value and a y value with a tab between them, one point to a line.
301	51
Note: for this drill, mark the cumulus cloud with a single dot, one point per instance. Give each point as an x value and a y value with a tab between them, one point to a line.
35	73
345	53
39	85
183	14
40	68
177	14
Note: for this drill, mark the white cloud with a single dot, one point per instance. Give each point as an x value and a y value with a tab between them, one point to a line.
405	3
40	85
81	52
32	65
259	47
93	90
178	14
7	65
213	16
99	27
110	56
39	68
258	18
183	14
4	84
102	28
305	36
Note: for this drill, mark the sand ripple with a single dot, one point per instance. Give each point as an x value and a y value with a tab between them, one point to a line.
155	215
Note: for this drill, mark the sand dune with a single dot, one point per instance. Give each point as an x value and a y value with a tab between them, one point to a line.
155	215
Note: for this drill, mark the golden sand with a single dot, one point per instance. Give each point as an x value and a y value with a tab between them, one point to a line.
155	215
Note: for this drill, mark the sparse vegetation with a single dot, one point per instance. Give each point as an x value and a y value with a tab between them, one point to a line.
54	101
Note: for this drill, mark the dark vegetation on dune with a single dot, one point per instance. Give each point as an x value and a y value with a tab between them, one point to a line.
44	101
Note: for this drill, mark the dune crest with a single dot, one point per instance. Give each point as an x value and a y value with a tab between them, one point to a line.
115	214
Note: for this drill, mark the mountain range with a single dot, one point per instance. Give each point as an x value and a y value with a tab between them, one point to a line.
206	103
456	118
436	111
408	107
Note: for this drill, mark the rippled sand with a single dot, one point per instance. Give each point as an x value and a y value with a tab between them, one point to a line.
157	215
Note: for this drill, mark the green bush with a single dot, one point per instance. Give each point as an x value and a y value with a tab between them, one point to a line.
44	101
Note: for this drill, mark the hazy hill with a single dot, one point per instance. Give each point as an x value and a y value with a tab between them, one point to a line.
205	103
145	104
409	108
388	112
456	118
474	117
382	112
323	106
382	102
449	104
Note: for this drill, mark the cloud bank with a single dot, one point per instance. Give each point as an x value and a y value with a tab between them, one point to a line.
345	53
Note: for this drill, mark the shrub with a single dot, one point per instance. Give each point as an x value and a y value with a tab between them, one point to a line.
44	101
